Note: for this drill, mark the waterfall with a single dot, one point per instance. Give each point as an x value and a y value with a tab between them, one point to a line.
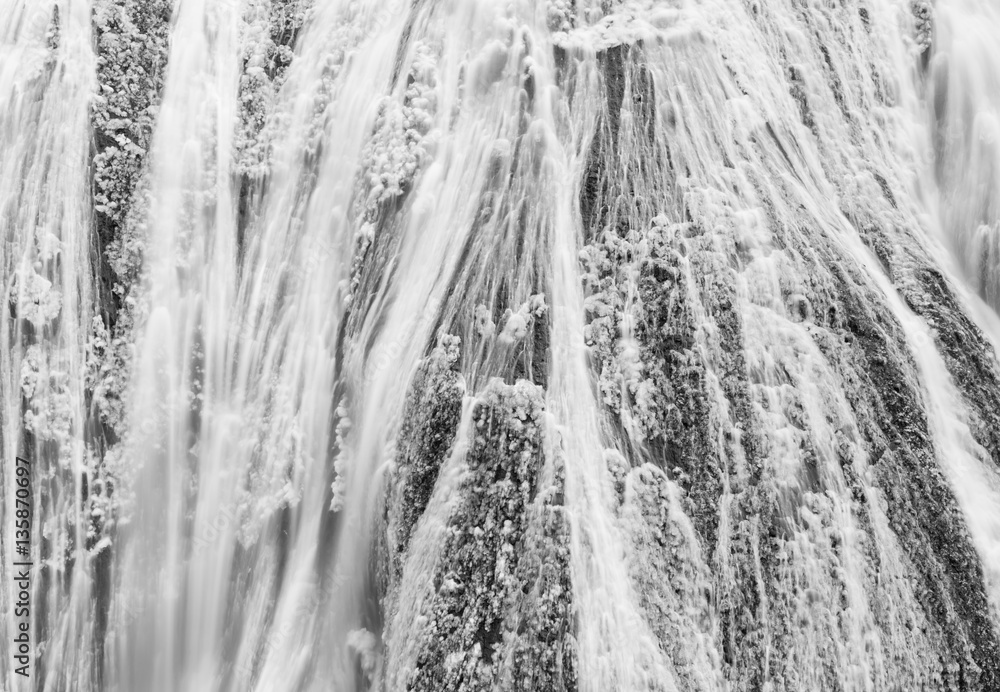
462	345
47	79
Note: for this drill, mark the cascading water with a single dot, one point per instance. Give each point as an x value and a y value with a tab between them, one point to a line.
47	82
462	345
964	99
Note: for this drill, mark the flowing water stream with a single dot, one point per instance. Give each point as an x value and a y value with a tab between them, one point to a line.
468	345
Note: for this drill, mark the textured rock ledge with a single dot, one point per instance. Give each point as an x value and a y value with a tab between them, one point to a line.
493	607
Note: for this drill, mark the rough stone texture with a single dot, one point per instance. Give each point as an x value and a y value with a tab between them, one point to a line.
430	421
693	399
539	624
131	40
672	581
925	510
131	61
677	373
500	609
269	31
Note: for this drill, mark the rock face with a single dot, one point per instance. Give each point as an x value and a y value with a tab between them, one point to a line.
452	347
499	610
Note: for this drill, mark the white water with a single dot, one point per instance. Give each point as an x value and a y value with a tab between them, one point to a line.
965	97
269	379
45	260
966	106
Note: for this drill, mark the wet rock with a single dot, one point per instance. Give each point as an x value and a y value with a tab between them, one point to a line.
430	422
499	609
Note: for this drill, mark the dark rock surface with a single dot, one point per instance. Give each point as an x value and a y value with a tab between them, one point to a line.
500	606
